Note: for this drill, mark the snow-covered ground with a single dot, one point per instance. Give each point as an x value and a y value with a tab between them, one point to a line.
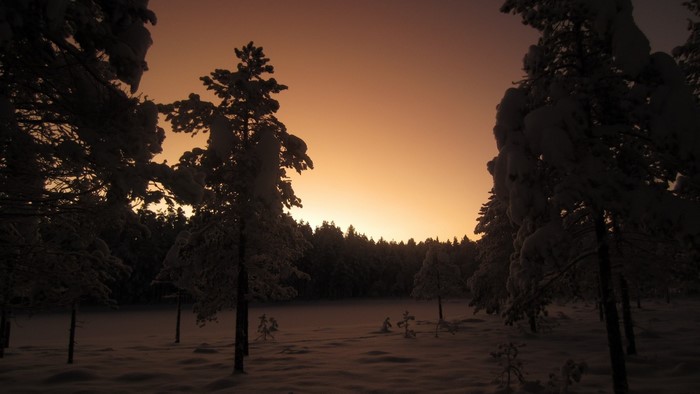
325	347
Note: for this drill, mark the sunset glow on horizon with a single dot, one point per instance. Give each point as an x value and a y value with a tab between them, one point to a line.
395	99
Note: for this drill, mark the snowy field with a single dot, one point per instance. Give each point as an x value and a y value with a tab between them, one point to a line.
329	347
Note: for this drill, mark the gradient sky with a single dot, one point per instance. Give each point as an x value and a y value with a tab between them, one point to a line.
396	99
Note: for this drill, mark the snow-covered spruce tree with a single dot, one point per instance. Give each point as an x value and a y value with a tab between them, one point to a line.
465	252
688	54
240	240
596	134
438	277
72	138
488	283
73	265
179	272
65	262
688	57
143	246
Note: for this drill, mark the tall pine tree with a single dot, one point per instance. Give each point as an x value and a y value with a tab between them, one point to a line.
241	238
593	136
74	141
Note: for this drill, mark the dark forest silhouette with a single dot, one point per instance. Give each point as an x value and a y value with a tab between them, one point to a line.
596	192
340	264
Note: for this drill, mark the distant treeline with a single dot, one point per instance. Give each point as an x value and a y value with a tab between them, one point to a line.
339	264
348	264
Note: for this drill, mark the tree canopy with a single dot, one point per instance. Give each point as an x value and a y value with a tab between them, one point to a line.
76	146
594	137
240	233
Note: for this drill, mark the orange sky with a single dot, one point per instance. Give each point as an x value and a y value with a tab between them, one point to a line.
395	98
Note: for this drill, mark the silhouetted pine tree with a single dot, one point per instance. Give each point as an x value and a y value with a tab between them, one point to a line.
596	132
438	277
240	232
76	146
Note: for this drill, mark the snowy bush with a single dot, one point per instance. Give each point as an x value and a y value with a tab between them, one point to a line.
569	374
405	319
266	327
511	366
386	326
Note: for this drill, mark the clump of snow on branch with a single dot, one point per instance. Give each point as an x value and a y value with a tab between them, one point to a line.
551	130
128	52
513	168
509	116
533	61
267	152
673	111
56	13
221	137
630	47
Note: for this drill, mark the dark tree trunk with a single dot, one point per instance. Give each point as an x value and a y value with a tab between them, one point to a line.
599	305
4	331
627	317
532	320
8	327
179	314
246	315
439	294
668	295
639	296
612	325
241	344
71	333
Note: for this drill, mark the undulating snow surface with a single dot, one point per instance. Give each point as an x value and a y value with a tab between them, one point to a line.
325	347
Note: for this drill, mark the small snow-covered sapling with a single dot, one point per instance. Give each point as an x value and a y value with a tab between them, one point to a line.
267	327
569	373
408	333
273	324
450	327
385	326
511	367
